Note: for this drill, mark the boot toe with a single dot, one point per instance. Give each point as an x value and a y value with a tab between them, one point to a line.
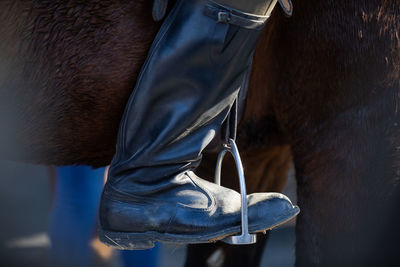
268	210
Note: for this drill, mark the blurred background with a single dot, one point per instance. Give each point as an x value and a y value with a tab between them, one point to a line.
48	218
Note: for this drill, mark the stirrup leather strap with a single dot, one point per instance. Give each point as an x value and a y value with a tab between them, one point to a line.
160	8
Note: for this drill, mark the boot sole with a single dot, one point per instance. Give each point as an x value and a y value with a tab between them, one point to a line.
146	240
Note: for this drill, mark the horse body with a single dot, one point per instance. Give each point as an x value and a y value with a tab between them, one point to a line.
324	92
337	96
69	68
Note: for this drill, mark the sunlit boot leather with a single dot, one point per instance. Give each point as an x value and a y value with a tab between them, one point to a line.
184	93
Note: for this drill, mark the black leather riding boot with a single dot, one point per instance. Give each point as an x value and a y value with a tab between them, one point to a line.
184	93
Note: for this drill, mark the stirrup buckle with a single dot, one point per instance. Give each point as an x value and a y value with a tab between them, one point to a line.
245	237
224	17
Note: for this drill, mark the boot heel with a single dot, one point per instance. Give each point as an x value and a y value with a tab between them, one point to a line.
124	241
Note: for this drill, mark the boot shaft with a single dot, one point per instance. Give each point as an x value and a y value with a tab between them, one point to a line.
187	86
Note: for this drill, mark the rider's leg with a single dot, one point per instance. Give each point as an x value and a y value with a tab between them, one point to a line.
184	93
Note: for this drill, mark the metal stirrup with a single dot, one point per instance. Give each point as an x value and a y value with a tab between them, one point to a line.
245	237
